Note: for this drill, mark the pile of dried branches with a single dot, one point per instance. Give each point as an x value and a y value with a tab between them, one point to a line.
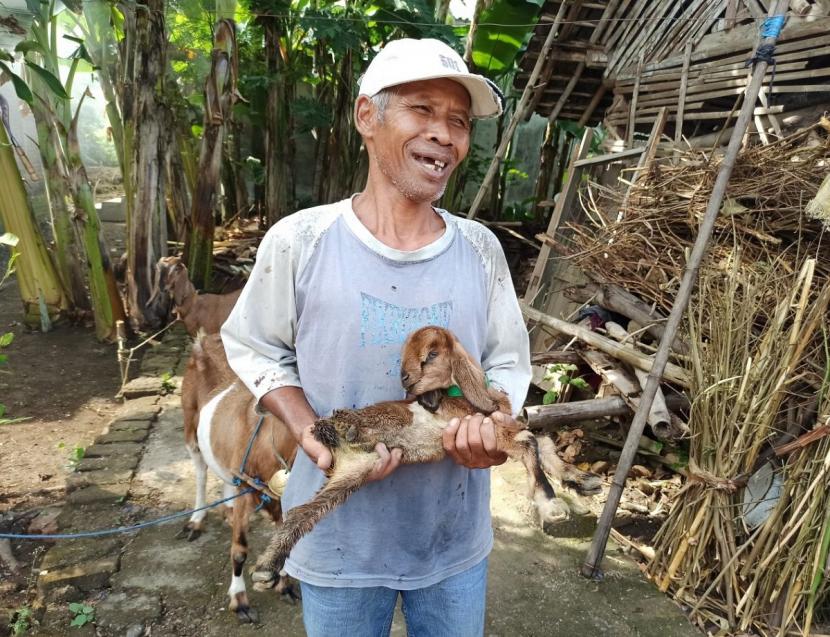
754	390
644	248
744	557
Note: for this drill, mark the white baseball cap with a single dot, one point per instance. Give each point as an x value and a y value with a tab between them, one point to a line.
408	60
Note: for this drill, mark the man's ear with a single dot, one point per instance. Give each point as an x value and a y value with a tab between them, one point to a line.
365	116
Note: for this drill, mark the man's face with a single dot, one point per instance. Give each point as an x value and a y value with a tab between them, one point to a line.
424	135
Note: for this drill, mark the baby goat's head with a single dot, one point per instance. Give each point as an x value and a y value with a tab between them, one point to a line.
432	360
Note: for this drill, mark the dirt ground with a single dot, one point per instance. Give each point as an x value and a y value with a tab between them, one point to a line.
63	383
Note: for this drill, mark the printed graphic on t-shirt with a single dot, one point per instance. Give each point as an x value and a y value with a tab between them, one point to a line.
384	324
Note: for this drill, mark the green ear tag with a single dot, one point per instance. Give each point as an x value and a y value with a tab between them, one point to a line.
454	391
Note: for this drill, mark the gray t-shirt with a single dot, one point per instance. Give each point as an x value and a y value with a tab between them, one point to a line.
327	308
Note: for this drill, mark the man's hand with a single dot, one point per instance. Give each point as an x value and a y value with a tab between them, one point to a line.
471	441
321	456
314	449
386	464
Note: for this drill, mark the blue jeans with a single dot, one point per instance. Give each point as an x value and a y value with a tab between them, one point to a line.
453	607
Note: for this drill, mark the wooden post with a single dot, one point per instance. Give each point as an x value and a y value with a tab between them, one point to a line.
551	417
591	566
681	101
517	114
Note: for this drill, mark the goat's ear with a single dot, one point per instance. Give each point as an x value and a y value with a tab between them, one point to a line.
470	378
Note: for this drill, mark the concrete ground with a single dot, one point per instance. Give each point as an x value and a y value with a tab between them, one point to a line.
534	588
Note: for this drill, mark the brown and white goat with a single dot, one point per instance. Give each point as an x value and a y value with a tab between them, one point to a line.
197	311
432	361
219	419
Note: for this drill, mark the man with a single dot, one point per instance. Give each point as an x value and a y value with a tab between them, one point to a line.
320	324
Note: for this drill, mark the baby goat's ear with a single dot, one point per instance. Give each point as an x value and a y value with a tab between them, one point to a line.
470	378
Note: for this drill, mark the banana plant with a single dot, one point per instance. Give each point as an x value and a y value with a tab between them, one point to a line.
75	220
220	95
41	291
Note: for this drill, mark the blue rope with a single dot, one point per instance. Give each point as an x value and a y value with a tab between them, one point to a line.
120	529
264	498
251	444
771	28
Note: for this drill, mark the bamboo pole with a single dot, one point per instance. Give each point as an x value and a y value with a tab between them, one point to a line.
625	353
551	417
517	114
591	566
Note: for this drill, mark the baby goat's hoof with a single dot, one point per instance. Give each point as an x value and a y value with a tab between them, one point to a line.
247	615
190	532
583	482
553	511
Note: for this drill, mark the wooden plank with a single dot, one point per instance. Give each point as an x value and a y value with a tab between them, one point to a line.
617	25
706	115
681	101
731	14
787	52
632	112
560	103
610	157
633	24
678	32
609	10
648	155
592	105
564	202
724	88
776	125
699	75
792	31
754	9
645	26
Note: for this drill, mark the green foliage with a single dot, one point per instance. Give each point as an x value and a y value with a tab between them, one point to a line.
21	621
575	130
167	384
20	87
49	79
495	48
76	454
562	375
83	614
10	240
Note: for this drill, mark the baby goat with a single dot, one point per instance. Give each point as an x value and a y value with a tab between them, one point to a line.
219	419
432	361
196	311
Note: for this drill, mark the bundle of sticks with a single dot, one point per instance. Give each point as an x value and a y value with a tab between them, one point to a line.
644	249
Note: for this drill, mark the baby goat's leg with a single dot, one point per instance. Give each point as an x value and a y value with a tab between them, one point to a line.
196	524
583	482
522	446
239	553
350	473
